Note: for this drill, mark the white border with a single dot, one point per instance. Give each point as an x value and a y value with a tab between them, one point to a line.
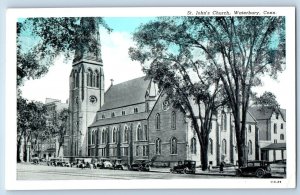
10	134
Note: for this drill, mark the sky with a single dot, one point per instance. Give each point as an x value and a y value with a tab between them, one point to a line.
117	66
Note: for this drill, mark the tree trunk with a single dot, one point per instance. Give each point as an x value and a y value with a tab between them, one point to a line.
18	151
25	152
204	158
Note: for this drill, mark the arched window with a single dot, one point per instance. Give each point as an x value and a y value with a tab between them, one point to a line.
210	146
93	137
158	146
249	128
89	138
157	121
224	146
250	147
224	121
89	78
112	115
77	80
281	126
281	137
173	120
97	79
145	134
114	136
139	133
103	137
193	146
173	145
275	128
125	136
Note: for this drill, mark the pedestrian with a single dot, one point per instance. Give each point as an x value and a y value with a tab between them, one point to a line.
209	166
222	167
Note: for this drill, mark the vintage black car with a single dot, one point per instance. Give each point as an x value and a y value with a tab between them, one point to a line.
259	169
188	166
140	165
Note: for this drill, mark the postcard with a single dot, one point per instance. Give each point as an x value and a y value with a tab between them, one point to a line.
153	98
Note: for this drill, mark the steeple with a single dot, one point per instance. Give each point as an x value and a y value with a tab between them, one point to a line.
89	45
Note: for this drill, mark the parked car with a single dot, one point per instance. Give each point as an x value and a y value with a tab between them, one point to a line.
140	165
117	165
257	168
188	166
35	160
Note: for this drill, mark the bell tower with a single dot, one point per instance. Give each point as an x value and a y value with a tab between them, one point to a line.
86	84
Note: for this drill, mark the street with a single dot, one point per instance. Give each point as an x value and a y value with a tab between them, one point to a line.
44	172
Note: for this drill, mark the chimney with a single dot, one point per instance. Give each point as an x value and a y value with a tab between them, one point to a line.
112	82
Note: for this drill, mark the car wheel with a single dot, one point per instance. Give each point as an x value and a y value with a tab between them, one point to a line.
260	173
185	170
238	173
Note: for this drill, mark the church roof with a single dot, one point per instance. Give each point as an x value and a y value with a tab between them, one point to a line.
126	93
120	119
264	114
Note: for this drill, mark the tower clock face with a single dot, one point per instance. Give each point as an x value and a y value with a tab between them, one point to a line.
93	99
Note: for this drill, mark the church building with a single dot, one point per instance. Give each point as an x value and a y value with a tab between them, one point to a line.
133	121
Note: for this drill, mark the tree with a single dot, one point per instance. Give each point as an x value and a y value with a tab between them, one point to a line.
240	50
41	40
31	124
267	100
58	126
180	76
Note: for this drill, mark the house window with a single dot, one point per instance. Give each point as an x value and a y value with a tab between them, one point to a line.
158	146
157	121
146	132
139	132
193	146
275	128
145	150
137	151
147	107
173	120
281	126
249	128
250	147
210	146
275	141
123	113
135	110
224	146
277	115
173	146
112	115
103	116
125	136
281	137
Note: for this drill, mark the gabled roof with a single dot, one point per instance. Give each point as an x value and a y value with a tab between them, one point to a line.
275	146
126	93
264	114
120	119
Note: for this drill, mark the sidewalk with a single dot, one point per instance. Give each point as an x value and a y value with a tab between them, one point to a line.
228	171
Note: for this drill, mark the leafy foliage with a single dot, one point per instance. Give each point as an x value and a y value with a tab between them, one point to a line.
238	51
41	40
